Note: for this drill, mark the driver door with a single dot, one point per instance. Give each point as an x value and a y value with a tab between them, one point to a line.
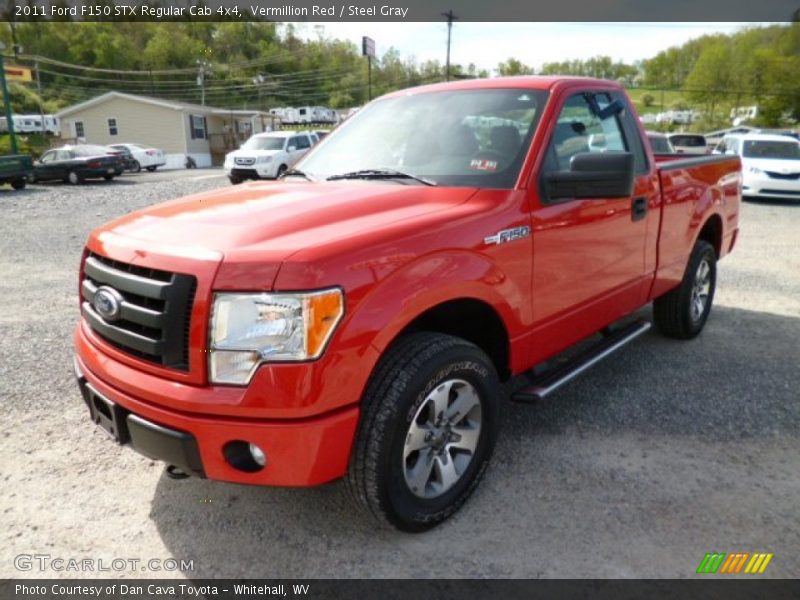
588	254
44	170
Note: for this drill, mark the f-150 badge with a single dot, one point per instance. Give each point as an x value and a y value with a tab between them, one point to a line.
508	235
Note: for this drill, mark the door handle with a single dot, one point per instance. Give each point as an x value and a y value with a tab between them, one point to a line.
638	208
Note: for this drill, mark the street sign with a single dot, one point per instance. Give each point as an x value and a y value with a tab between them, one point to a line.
15	73
367	47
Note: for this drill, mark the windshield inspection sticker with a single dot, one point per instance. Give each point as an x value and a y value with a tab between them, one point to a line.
483	165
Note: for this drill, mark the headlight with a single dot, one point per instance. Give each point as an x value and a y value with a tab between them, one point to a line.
264	159
249	329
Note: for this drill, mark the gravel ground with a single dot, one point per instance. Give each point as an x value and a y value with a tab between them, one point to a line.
662	453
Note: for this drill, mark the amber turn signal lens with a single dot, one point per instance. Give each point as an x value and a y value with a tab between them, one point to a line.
323	312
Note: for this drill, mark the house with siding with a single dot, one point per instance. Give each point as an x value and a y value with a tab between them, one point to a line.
180	129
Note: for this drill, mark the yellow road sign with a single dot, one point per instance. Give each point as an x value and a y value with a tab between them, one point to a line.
15	73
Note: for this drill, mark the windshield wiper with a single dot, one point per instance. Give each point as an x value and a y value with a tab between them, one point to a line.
380	174
296	173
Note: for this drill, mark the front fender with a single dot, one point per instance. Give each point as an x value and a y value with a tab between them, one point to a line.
393	303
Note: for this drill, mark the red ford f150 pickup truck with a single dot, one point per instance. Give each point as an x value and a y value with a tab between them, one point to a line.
355	319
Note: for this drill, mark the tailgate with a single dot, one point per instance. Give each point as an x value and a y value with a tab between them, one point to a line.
15	164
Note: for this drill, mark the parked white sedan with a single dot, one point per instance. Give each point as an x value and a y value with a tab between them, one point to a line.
146	157
770	164
267	155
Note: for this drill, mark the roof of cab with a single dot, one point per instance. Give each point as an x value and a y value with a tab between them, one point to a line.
533	82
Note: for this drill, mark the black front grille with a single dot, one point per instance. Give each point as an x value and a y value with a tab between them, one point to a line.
786	176
155	312
782	192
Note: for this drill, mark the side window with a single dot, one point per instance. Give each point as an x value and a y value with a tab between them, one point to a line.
63	155
578	129
302	142
48	157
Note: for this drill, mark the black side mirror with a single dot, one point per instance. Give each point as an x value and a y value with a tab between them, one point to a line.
593	175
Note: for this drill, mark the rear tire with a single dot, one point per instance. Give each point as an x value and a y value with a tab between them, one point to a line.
428	428
18	184
682	312
151	169
136	168
281	170
108	177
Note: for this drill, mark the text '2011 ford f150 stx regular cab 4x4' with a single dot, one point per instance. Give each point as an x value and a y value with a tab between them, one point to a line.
355	318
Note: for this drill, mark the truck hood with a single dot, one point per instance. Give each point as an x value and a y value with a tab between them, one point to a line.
268	222
242	153
774	165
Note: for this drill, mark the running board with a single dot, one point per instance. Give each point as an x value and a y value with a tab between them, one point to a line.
549	382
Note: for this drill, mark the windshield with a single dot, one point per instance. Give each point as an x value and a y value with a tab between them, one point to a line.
689	141
768	149
473	138
264	143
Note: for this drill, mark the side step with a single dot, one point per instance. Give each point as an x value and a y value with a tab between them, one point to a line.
549	382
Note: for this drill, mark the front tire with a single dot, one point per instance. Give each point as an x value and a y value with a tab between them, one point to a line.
281	170
136	168
428	429
19	184
682	312
151	169
108	177
234	179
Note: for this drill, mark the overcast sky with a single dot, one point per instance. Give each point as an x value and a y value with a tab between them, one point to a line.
487	44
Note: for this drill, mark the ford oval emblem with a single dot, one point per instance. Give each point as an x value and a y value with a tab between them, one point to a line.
108	303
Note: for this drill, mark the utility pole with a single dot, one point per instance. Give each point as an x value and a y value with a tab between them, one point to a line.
39	90
14	43
450	18
202	71
7	102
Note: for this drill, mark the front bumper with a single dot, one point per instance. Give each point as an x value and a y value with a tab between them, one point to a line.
769	187
301	452
255	171
175	447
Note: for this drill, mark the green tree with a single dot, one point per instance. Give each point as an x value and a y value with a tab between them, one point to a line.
512	66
